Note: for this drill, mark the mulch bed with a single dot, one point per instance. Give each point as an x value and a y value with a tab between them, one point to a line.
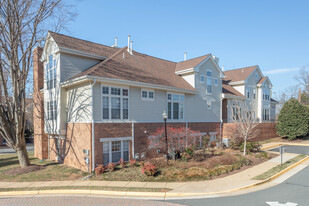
19	170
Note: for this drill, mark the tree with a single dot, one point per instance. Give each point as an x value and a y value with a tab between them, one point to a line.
245	122
23	23
178	139
293	120
303	78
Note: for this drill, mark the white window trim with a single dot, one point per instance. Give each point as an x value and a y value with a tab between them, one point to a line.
121	139
147	98
172	109
110	102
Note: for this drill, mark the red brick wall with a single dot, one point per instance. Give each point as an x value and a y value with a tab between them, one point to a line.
263	130
40	138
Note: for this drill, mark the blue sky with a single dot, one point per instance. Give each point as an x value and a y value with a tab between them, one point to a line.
272	34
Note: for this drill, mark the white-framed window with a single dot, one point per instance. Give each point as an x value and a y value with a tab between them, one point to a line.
147	95
202	79
51	72
209	82
248	93
266	94
115	103
51	108
175	106
254	93
256	76
216	82
113	151
266	114
209	104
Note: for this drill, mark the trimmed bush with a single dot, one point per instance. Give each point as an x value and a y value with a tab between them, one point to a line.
293	120
99	169
111	167
149	169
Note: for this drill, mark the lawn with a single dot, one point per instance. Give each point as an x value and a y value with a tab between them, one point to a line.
49	171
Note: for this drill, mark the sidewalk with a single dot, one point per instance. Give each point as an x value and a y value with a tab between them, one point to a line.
225	184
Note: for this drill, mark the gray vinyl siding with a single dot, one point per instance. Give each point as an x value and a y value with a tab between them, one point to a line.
71	65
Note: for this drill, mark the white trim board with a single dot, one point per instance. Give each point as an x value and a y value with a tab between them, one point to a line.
115	139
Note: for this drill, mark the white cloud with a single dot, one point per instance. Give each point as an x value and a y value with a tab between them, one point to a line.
283	70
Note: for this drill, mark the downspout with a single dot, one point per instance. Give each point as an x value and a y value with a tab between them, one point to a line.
221	122
92	126
133	140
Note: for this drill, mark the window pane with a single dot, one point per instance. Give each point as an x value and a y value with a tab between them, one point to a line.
175	110
105	147
125	108
105	90
126	156
182	98
169	97
209	85
115	107
126	145
105	107
150	95
125	92
106	158
175	97
202	79
116	151
144	94
115	91
169	110
116	156
209	74
51	61
181	110
51	110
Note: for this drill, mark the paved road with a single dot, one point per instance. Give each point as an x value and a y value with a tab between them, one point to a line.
10	150
294	190
294	149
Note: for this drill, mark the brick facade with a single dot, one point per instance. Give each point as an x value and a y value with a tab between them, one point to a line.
264	131
40	137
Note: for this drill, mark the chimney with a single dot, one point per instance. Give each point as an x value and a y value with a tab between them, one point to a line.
185	56
116	41
131	46
222	68
129	43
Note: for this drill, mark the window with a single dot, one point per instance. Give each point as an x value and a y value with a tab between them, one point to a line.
254	93
202	79
51	72
266	94
51	110
115	103
216	82
256	76
175	106
266	114
113	151
147	95
209	83
248	93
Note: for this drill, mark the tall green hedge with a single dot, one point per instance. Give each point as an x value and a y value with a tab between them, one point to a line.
293	120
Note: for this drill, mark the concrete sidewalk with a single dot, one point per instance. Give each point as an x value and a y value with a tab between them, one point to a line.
232	182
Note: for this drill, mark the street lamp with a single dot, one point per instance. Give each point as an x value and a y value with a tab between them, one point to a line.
164	115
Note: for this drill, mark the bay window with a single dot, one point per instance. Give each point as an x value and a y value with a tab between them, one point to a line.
175	106
115	103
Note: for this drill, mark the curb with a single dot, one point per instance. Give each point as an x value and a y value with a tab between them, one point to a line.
148	194
285	143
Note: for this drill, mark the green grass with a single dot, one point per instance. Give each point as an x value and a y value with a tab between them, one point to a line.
279	168
106	188
52	172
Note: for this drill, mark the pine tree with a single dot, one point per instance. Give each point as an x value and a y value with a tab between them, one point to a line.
293	120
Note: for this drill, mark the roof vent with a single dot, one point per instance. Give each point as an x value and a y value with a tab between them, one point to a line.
185	56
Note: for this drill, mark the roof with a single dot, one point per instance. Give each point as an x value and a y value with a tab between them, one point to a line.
229	90
82	45
191	63
262	80
139	68
240	74
272	100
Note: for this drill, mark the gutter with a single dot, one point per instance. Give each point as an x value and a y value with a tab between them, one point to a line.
92	125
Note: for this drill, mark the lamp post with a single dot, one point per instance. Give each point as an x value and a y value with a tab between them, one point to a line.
164	115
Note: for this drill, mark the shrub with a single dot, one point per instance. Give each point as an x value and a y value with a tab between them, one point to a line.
189	151
149	169
251	147
141	163
293	120
111	167
122	163
263	155
236	142
133	162
99	169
